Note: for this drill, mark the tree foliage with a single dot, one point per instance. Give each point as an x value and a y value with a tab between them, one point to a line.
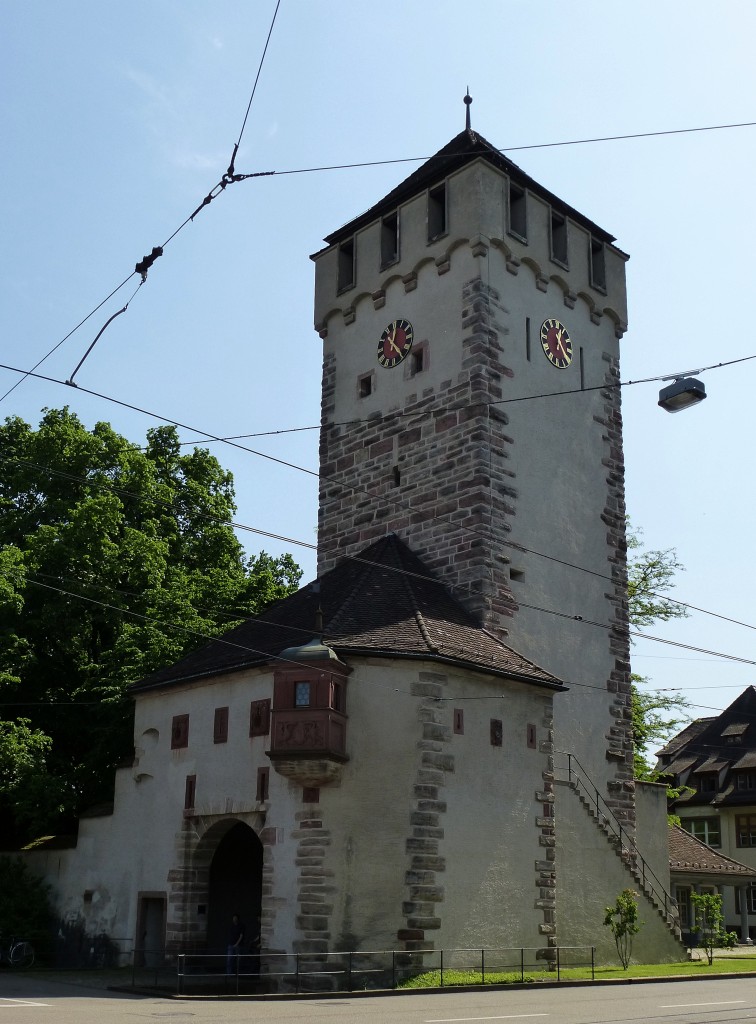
707	907
115	560
655	715
25	911
651	576
622	920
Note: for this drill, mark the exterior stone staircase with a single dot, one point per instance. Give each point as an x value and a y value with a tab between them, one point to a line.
645	880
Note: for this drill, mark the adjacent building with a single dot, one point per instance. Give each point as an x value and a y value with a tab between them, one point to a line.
713	764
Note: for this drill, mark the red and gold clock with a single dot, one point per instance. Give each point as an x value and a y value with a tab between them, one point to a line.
556	343
395	343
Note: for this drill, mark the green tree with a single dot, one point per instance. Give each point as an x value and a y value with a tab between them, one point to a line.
24	904
709	917
115	560
623	921
655	715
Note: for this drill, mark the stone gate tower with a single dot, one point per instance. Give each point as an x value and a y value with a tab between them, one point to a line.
471	323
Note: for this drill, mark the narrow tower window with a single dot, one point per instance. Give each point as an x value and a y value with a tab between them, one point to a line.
598	267
518	224
436	211
389	239
559	238
346	265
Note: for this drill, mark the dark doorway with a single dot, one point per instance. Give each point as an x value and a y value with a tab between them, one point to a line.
235	885
150	945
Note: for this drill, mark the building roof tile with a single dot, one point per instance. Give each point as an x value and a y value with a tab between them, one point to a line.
382	603
689	855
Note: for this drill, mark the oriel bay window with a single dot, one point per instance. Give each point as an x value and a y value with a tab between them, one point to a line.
309	707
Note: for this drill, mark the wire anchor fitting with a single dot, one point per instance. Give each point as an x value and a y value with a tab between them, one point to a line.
144	265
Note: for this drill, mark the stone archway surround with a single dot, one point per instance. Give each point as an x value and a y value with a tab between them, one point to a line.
189	880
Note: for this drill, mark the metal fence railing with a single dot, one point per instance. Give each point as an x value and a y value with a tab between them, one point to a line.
375	969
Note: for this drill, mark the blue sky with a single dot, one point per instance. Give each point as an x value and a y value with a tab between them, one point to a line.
117	120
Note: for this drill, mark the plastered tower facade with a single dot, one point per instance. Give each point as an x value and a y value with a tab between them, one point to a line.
492	443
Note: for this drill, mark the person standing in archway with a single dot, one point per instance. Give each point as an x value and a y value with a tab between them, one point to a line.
235	940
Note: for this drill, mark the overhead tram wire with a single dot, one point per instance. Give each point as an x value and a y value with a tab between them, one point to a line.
232	176
269	657
403	572
147	261
403	506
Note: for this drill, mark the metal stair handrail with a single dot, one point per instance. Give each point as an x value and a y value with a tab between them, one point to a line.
651	884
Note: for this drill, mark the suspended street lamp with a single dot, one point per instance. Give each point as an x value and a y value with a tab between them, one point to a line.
684	392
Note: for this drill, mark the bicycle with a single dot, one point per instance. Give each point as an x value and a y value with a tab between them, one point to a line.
18	953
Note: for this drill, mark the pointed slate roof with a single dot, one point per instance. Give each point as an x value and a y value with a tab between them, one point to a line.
689	855
724	744
462	149
382	603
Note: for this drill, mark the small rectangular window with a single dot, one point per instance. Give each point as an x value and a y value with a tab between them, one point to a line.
459	721
598	265
389	239
531	737
745	829
705	829
436	211
559	238
301	695
179	732
337	697
263	782
527	338
497	732
259	718
190	791
365	385
220	725
517	212
310	795
346	265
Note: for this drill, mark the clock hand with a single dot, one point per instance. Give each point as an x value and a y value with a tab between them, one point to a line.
560	346
394	345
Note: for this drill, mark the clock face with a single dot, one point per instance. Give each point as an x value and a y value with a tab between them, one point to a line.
556	344
395	343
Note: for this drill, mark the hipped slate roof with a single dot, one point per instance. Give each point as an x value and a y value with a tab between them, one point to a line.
462	149
688	855
383	603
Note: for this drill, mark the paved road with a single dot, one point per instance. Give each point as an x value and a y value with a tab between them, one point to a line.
30	1000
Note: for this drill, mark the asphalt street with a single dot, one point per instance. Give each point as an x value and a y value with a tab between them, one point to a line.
27	999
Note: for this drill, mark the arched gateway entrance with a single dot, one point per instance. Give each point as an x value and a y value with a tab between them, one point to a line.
234	884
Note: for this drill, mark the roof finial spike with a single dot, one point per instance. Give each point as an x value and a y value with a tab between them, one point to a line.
468	101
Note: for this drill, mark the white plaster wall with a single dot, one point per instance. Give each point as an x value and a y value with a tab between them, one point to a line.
591	876
652	828
491	839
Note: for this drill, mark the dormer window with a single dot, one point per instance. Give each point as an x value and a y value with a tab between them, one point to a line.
745	781
707	783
